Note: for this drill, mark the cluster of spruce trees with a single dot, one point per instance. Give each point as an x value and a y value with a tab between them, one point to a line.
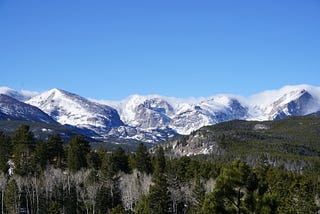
50	176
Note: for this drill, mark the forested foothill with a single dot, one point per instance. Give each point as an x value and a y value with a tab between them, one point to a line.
54	176
293	142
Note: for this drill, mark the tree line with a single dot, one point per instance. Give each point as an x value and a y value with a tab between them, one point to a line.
51	176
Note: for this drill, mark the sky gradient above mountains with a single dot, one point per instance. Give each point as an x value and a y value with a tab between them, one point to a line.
112	49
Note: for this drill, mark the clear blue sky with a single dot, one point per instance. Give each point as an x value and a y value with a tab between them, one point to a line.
110	49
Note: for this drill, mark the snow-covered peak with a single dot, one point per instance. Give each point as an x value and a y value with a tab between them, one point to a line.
56	94
268	97
71	109
153	116
290	96
209	111
149	112
128	108
286	101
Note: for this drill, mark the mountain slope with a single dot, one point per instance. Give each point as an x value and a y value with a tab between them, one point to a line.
299	103
155	118
287	101
98	120
70	109
295	138
185	116
208	112
12	109
146	112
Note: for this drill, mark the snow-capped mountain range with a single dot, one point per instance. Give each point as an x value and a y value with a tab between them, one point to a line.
155	118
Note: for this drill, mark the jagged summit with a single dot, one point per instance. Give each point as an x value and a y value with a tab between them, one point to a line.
287	101
156	118
71	109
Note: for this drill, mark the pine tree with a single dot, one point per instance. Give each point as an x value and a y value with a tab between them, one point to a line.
77	153
143	160
160	164
94	162
265	201
5	151
119	161
23	135
213	204
23	143
198	194
55	150
234	190
40	156
159	196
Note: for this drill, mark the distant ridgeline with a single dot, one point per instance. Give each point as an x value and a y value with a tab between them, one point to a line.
153	118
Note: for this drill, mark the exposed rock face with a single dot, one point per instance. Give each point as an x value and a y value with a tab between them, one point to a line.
155	118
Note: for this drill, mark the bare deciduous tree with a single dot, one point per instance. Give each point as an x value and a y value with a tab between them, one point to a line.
80	179
132	186
92	191
3	184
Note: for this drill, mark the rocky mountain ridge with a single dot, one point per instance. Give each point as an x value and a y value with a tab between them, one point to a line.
156	118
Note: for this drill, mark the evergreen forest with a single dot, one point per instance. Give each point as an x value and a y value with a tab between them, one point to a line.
53	176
